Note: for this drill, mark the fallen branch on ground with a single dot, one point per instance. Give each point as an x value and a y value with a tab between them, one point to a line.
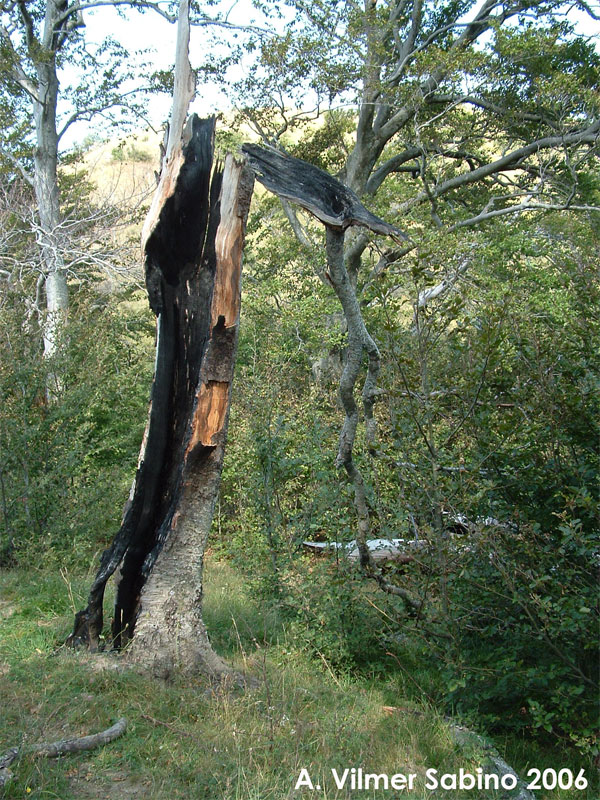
60	748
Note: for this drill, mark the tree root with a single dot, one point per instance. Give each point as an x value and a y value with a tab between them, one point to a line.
60	748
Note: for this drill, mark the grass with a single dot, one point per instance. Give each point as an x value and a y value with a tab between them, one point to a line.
186	741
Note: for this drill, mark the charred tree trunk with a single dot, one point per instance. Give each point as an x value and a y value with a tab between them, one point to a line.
193	250
192	242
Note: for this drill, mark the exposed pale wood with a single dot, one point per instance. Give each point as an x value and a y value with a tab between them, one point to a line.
184	82
184	89
212	396
165	189
210	413
229	242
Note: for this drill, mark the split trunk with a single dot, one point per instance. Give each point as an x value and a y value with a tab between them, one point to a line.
193	251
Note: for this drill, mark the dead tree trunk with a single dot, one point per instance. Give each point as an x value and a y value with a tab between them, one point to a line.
192	241
193	268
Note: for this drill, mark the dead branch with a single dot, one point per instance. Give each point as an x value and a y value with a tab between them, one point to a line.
60	748
302	183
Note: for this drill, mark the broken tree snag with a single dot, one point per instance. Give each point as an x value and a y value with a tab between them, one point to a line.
192	244
338	208
193	259
179	276
169	631
193	149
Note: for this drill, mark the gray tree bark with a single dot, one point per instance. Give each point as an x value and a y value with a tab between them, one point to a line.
45	182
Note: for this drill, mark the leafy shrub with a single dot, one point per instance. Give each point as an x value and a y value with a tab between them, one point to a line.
526	610
66	467
327	603
130	153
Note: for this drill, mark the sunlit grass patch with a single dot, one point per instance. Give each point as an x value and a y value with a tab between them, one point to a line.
187	739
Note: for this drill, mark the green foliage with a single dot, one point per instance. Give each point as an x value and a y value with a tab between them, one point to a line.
327	145
527	658
331	614
494	414
488	412
130	153
488	406
66	466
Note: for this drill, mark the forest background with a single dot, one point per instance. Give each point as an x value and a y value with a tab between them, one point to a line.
486	461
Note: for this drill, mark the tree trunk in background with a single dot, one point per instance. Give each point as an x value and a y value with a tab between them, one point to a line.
193	248
339	209
45	184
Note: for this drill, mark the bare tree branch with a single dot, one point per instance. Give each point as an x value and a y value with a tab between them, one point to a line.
141	5
444	285
61	748
17	164
484	216
588	9
299	231
487	105
88	113
18	73
510	161
393	164
30	37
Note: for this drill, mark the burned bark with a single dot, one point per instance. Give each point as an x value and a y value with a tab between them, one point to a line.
193	250
192	243
302	183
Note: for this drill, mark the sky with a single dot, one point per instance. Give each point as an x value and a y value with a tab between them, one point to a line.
137	32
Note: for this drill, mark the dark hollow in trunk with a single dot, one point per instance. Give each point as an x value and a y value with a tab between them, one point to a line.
193	256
